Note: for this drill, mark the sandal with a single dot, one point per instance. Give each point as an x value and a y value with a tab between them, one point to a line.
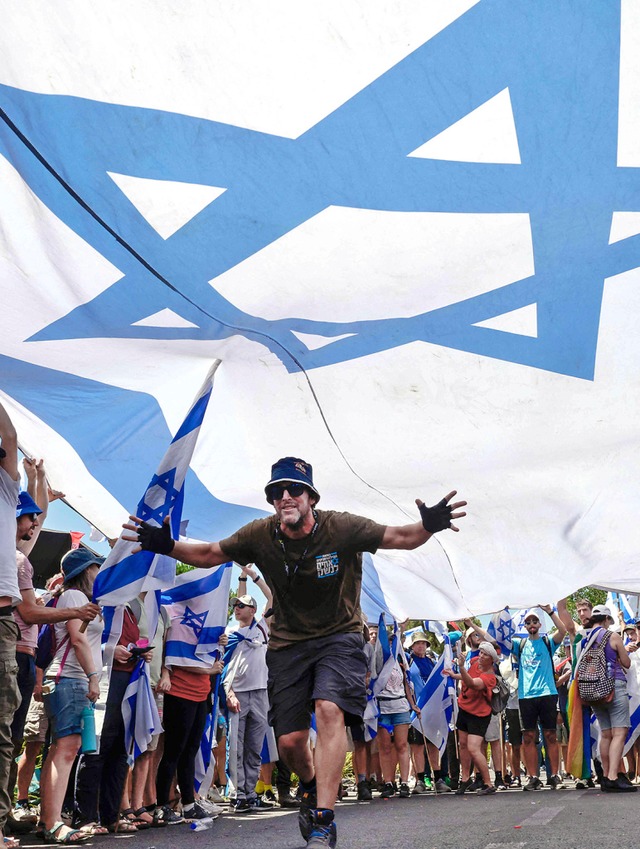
52	835
92	829
123	826
142	817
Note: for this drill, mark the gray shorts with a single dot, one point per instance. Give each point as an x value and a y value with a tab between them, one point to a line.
332	668
616	713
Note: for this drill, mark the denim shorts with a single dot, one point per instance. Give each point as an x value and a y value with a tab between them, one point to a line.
392	719
64	706
616	713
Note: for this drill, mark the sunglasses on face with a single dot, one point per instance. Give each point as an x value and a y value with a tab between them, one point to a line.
240	605
531	621
277	490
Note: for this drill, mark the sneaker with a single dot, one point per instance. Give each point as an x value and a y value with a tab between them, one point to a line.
24	812
609	786
486	790
387	791
516	782
195	813
165	815
624	785
623	778
323	831
404	791
308	803
556	783
211	809
476	784
581	785
533	783
269	796
441	786
591	783
499	784
419	787
239	806
286	800
364	793
463	787
214	795
258	804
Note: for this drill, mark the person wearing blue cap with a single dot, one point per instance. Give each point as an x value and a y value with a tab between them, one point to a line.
312	562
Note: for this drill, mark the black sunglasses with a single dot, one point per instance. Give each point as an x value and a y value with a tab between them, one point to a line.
277	490
530	621
241	605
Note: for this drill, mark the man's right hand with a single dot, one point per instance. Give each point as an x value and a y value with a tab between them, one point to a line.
232	703
149	537
88	612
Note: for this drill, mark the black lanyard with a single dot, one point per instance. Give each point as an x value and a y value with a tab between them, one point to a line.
290	575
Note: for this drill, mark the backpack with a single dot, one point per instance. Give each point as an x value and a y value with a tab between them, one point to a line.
47	643
499	695
595	679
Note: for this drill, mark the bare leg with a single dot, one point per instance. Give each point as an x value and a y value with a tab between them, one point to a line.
54	777
387	753
477	748
553	750
27	766
400	737
618	736
465	755
530	753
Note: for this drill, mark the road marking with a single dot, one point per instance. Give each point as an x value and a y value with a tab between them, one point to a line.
504	845
542	817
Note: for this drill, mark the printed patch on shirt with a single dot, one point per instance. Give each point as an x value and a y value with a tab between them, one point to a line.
328	565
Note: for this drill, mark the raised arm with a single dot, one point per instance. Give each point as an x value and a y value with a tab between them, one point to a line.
37	489
201	554
559	635
259	581
9	448
433	520
565	618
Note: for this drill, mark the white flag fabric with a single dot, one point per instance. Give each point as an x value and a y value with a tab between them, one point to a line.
139	712
124	574
355	208
199	610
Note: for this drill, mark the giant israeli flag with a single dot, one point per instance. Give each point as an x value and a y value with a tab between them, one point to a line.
409	231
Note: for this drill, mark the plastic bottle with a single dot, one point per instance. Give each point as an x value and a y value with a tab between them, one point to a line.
201	825
88	745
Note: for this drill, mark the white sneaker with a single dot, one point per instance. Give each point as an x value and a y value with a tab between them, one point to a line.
211	808
214	795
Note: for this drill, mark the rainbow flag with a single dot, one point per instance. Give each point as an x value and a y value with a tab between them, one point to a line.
579	751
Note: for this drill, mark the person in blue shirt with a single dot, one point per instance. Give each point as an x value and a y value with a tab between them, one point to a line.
538	695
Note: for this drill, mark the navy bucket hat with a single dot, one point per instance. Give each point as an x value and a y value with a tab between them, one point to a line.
292	469
77	560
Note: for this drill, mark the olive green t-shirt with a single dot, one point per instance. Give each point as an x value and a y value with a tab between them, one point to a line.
321	594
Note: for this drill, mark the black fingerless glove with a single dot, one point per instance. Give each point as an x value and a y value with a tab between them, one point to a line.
154	539
436	518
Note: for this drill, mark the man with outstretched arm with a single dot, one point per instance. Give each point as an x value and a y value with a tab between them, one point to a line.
311	561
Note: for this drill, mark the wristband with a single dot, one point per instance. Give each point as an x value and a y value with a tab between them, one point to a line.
242	578
256	579
91	673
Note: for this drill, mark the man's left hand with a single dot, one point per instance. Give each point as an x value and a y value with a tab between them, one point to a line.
438	518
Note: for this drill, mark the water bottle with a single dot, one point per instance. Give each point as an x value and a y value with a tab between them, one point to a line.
201	825
88	745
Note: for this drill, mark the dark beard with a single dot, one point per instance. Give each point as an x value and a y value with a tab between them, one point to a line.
26	537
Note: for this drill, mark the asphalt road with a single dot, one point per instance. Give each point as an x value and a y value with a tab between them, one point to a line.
568	819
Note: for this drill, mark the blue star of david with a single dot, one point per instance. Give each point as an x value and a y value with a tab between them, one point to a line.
164	481
192	620
565	100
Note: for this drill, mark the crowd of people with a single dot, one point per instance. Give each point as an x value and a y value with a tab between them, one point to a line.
291	680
